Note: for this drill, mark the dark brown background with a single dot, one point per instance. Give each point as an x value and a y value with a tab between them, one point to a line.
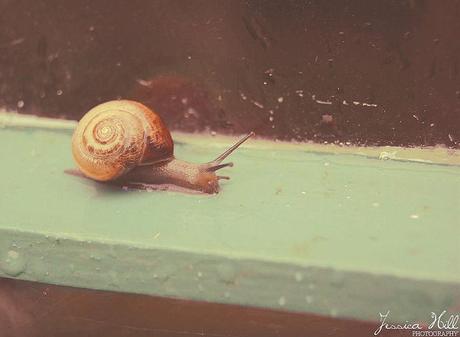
223	66
31	309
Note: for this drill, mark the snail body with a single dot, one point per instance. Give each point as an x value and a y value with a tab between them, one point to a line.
127	142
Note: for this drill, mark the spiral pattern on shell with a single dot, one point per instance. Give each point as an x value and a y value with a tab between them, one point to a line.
114	137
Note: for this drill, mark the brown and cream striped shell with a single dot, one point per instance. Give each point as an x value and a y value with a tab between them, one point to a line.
114	137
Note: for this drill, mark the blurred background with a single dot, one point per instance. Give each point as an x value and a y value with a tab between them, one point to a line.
350	72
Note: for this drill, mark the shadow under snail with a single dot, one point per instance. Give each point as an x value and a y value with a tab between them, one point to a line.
126	142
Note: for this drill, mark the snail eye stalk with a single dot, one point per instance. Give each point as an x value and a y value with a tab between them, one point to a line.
216	163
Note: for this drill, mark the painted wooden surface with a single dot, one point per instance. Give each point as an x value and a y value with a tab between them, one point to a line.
300	230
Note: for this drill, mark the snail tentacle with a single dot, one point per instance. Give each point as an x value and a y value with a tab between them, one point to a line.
216	163
218	167
232	148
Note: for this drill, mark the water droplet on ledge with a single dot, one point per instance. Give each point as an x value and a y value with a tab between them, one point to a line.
13	263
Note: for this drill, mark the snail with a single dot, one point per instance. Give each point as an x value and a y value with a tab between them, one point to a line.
124	141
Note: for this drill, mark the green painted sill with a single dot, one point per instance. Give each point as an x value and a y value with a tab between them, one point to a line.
325	229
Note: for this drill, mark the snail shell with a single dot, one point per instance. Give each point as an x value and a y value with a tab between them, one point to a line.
114	137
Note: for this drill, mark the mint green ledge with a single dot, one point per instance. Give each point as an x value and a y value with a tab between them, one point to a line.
296	228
